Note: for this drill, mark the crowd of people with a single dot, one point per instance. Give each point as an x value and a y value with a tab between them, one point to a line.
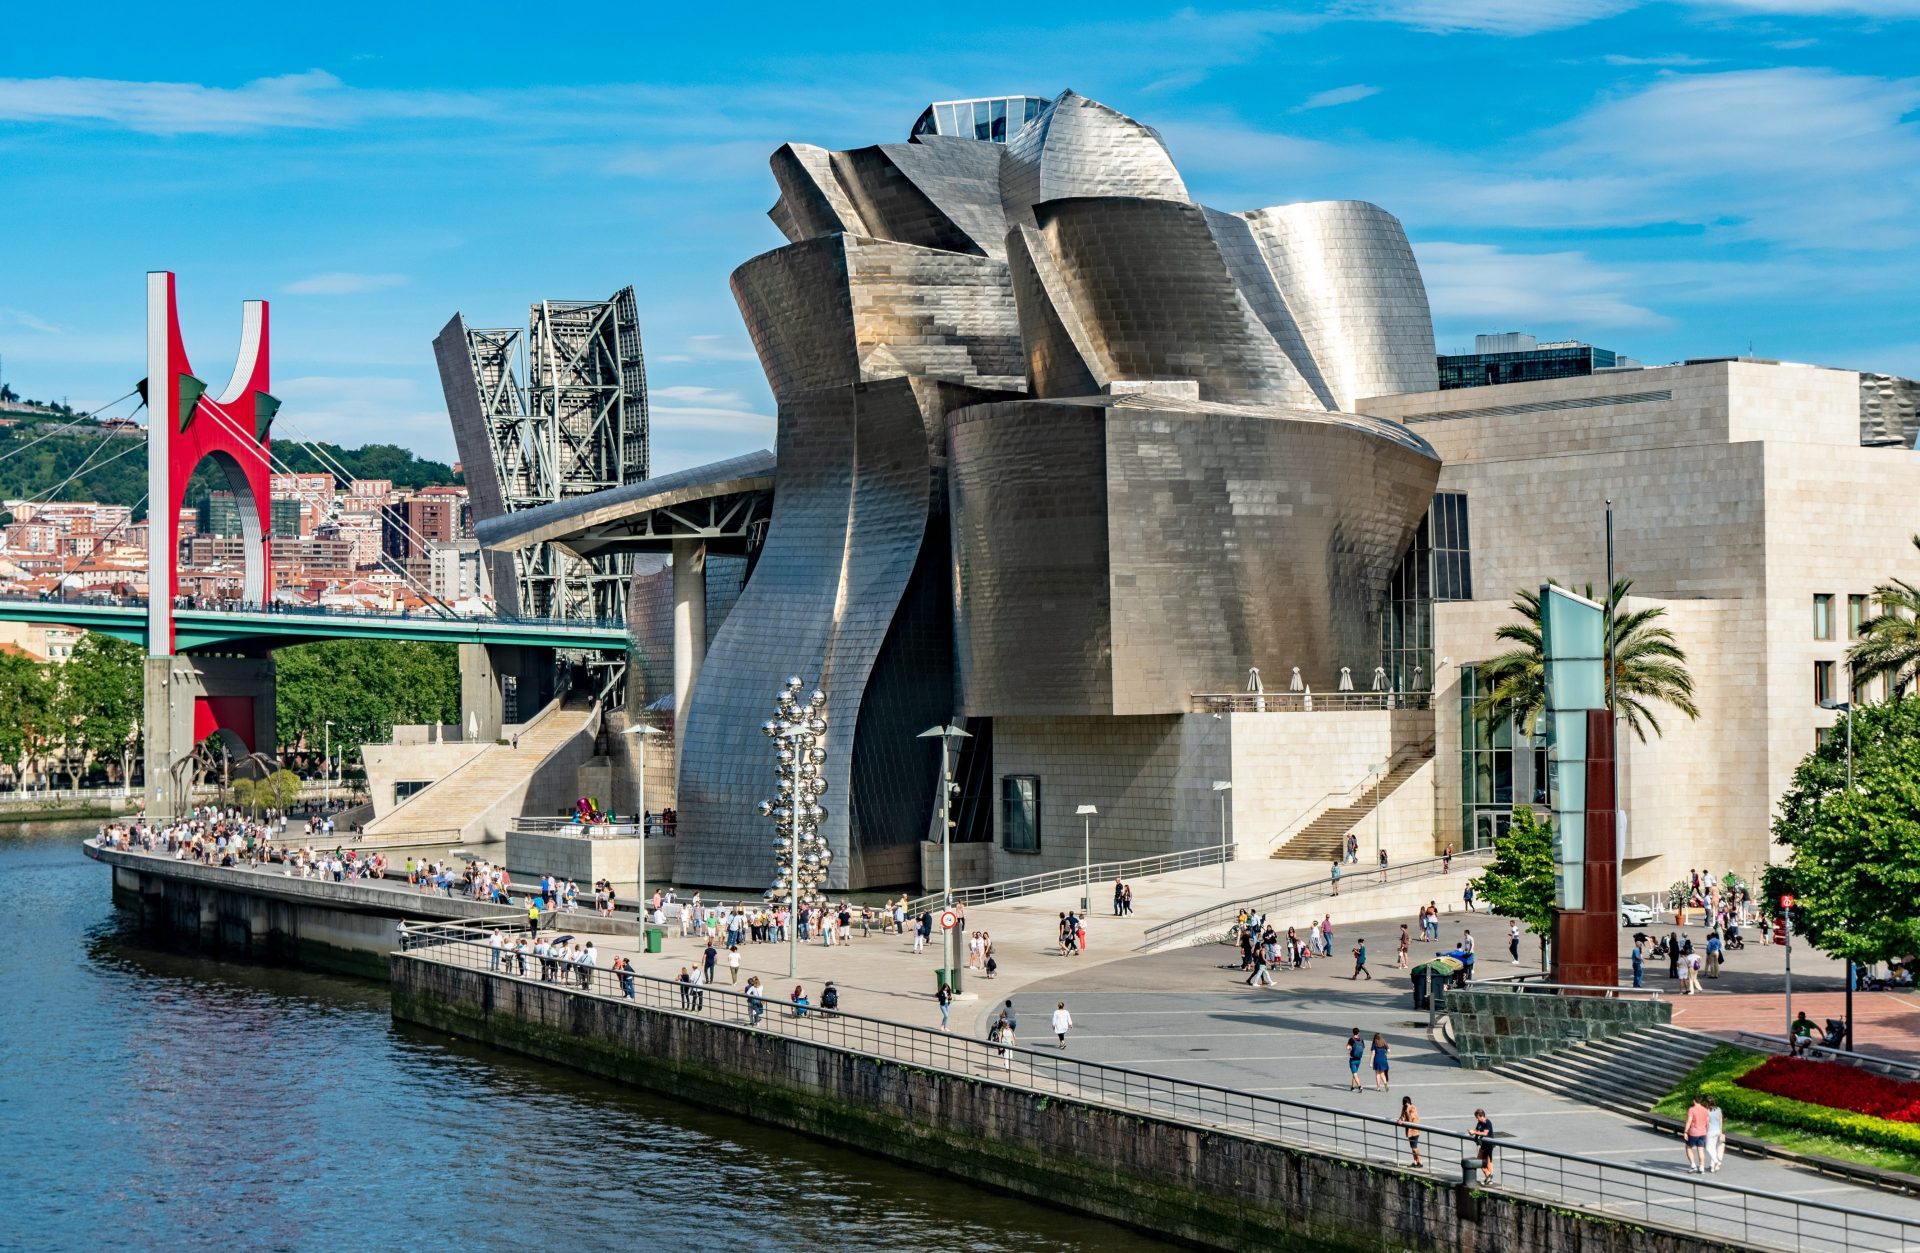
214	836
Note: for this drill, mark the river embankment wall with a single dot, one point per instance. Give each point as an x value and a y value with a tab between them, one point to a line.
346	928
1204	1186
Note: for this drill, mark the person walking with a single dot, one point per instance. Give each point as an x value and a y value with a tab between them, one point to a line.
1334	876
1410	1122
1693	973
1400	957
1673	955
1260	973
1694	1133
1716	1135
1639	962
945	997
1062	1023
1119	895
1356	1053
1715	952
733	964
698	982
686	988
1360	962
708	960
1002	1037
1446	859
756	1001
1467	896
1383	865
1513	942
1379	1062
1483	1136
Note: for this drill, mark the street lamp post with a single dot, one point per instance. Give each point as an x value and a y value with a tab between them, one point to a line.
1846	707
1222	787
949	947
1087	812
640	897
326	760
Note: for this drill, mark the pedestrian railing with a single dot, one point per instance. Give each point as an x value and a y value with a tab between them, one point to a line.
1075	876
1610	1190
1217	920
1305	702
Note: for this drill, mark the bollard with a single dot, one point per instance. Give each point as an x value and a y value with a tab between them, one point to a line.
1469	1203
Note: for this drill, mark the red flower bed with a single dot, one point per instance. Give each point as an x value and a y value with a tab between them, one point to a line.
1836	1086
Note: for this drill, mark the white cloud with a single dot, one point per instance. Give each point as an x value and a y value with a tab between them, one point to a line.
314	99
27	321
343	283
362	410
1477	286
1338	95
1489	17
1671	60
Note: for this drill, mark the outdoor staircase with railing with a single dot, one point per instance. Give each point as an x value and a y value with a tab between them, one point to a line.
488	788
1627	1073
1324	837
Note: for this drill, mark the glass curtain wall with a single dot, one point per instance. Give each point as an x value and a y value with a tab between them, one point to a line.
1500	766
1437	566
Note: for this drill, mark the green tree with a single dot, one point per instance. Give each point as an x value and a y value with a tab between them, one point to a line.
100	692
1649	666
363	687
1854	865
1518	882
26	694
273	791
1890	640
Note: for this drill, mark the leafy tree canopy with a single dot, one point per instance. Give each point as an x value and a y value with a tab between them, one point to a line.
364	687
1518	882
1854	868
1649	666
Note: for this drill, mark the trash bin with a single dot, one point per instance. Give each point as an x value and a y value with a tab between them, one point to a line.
939	978
654	937
1422	996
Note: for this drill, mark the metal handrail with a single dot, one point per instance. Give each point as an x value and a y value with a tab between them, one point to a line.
1218	917
1609	1189
282	609
1521	985
1314	810
1074	876
1305	702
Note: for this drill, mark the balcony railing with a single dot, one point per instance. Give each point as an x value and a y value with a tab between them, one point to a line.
1305	702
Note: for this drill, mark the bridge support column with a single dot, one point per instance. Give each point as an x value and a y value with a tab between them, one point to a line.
502	684
689	621
189	697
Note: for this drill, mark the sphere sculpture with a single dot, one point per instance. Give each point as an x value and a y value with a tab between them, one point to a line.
801	857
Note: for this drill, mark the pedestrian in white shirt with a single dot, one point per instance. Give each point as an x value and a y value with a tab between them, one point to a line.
1062	1023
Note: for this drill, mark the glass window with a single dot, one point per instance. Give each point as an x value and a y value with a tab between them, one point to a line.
982	127
999	115
1822	681
1020	813
1862	691
1823	615
1856	614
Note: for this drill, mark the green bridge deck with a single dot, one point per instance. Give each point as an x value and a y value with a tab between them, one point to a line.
196	629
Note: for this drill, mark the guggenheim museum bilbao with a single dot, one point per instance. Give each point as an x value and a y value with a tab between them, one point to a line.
1164	506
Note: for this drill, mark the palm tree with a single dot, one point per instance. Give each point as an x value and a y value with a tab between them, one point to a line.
1649	666
1890	640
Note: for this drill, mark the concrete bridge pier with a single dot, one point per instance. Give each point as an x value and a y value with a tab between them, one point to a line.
501	685
190	696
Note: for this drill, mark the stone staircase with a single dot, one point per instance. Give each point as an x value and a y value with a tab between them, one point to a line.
1325	837
492	785
1627	1073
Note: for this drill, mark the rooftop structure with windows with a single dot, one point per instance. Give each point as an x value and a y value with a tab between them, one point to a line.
992	118
1516	357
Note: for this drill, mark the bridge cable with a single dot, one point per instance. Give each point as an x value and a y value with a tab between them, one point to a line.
65	428
271	462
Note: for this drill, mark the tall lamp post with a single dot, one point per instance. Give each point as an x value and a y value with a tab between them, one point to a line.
640	893
1846	707
326	759
1087	813
949	947
1221	787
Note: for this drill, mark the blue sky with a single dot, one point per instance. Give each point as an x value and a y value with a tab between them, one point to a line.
1666	179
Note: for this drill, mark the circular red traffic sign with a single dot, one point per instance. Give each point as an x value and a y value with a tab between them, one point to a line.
948	920
1786	902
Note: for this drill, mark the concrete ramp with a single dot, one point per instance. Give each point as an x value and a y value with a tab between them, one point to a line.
476	801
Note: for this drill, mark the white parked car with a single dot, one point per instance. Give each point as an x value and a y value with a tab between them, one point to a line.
1635	913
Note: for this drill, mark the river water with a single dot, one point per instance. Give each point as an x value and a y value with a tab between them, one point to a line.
160	1100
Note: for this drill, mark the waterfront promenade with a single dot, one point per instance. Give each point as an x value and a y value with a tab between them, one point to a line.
1610	1174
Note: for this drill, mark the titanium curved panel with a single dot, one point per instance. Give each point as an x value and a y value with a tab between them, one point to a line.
1115	557
934	315
848	522
962	178
1354	289
799	313
1079	147
1249	269
1157	300
1060	355
1032	628
893	206
812	203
